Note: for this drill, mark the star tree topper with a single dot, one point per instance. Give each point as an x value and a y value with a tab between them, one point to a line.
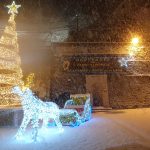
13	8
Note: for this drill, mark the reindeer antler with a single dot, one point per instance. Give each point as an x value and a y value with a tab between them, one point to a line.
29	81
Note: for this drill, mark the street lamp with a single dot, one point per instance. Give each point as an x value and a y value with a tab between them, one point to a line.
134	49
135	41
135	46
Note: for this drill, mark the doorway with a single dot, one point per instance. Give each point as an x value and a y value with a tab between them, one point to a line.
96	85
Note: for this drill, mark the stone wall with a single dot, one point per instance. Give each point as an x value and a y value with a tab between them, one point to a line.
61	81
71	83
129	91
11	116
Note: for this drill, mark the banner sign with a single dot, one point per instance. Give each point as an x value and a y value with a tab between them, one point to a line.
93	64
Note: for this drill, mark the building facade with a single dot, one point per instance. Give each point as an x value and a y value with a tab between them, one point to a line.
94	68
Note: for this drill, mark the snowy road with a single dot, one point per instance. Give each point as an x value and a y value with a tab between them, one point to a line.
113	130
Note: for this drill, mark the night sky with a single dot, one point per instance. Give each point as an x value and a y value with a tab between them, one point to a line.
92	14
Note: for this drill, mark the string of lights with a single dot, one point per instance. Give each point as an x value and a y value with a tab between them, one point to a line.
34	109
10	71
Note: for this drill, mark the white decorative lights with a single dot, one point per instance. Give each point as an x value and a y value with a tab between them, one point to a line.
13	8
123	62
34	110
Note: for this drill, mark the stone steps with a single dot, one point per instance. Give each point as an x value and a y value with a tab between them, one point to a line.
101	109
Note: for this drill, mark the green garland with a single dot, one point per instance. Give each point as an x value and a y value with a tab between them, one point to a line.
68	119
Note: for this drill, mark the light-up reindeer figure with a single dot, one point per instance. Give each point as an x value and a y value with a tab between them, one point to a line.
34	110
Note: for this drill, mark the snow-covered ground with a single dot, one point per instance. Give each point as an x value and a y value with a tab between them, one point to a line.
111	130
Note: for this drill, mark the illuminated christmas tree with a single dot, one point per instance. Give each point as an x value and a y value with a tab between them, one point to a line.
10	70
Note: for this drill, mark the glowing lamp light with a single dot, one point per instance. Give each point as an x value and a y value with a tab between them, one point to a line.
135	41
131	53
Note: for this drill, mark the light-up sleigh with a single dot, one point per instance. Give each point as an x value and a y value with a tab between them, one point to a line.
77	110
